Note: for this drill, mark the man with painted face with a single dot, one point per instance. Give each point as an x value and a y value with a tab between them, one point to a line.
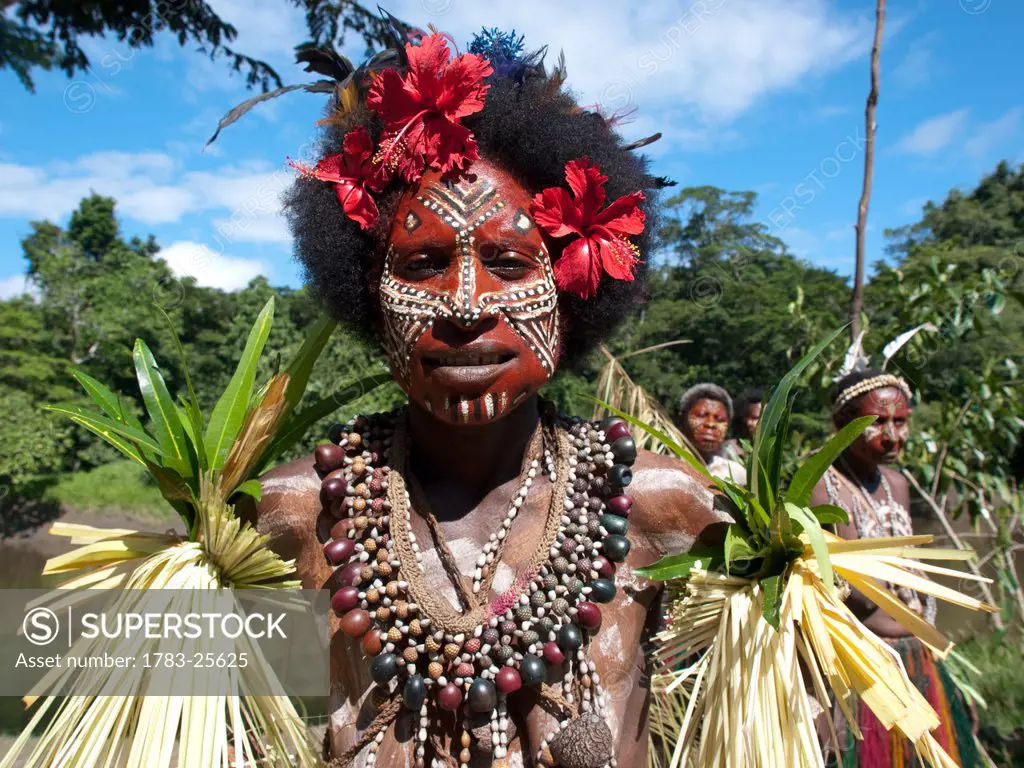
705	411
876	497
470	217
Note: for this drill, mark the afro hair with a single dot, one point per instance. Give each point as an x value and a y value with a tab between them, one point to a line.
705	391
531	128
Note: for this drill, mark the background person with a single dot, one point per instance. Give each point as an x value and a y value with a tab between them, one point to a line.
705	411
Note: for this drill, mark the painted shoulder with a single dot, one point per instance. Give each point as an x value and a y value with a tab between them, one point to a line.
674	506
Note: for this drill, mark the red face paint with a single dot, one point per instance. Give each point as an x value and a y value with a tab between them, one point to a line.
708	422
751	418
882	442
468	297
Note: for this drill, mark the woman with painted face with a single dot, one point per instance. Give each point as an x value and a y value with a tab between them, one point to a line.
705	411
484	229
876	497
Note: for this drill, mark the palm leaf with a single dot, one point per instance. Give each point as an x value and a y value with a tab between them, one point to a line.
302	366
106	428
229	412
193	413
100	394
163	413
807	476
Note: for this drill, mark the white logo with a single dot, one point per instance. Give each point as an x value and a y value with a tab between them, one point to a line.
40	626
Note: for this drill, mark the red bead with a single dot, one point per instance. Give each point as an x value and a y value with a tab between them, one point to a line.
332	489
620	505
450	697
553	654
350	574
508	680
588	615
345	599
338	551
617	430
329	457
355	623
372	643
604	566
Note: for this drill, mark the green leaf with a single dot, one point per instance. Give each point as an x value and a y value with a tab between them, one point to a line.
162	411
678	566
105	427
250	488
816	537
302	365
778	402
737	548
807	476
176	491
765	492
772	606
829	514
778	450
194	414
100	394
295	428
669	443
229	412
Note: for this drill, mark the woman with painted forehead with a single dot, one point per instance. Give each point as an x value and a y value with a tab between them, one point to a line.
479	546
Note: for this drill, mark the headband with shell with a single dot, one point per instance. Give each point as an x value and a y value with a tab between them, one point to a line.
856	360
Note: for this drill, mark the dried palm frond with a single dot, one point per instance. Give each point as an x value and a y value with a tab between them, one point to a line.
201	465
616	389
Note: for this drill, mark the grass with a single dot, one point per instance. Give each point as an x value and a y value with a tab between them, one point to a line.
122	486
1001	684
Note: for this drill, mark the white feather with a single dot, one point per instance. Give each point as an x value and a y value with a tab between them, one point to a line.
855	359
900	341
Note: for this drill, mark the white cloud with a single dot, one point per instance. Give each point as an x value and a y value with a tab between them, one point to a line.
716	58
987	136
190	259
918	65
17	285
933	134
152	188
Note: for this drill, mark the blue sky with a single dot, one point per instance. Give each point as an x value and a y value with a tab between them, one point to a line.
763	95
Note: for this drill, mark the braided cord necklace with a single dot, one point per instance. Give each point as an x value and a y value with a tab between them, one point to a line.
425	654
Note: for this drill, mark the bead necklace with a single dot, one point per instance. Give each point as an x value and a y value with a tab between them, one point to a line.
426	654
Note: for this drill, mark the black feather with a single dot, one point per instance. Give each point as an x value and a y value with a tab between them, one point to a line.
660	181
320	86
324	61
640	143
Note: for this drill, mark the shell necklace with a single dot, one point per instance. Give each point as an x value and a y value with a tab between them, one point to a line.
428	656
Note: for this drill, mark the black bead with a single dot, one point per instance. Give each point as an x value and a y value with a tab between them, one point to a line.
624	450
616	548
415	693
570	638
334	434
483	697
602	590
383	668
620	475
615	525
533	670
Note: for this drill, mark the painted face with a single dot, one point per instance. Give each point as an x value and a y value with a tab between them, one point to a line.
751	418
882	442
469	302
708	421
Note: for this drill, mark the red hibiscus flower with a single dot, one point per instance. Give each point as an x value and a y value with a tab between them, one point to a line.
601	243
422	111
354	176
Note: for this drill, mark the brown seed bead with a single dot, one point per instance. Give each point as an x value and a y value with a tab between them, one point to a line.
402	610
432	645
415	628
472	645
383	555
391	590
384	569
355	623
362	490
372	595
465	756
394	635
359	504
372	643
377	505
411	655
451	651
354	439
435	670
375	486
366	574
383	614
464	670
370	545
465	741
361	522
358	465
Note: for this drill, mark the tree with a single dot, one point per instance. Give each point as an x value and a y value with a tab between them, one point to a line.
46	34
